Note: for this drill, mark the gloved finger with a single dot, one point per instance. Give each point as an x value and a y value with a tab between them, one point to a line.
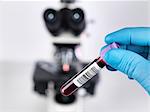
127	62
141	50
136	48
112	69
130	63
136	36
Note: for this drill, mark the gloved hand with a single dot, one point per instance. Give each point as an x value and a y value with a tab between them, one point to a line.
132	57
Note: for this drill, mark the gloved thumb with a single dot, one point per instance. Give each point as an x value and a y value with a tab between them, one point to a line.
130	63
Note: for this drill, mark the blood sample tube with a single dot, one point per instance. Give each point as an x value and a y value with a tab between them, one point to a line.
86	73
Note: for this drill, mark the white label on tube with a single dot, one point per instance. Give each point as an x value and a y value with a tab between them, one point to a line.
86	75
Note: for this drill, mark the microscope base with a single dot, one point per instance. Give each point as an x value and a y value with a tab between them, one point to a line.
53	106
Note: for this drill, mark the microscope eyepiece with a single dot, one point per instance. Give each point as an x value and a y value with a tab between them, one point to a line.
53	21
77	21
77	15
50	15
65	20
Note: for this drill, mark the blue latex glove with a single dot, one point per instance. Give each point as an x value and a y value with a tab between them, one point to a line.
132	57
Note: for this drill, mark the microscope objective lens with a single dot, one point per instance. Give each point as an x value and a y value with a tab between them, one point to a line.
87	73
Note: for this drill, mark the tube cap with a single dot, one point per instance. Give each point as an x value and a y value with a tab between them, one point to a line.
109	47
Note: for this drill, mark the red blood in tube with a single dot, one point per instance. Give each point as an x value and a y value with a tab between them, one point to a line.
69	87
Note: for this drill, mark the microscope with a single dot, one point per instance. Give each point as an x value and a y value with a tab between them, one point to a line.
65	25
